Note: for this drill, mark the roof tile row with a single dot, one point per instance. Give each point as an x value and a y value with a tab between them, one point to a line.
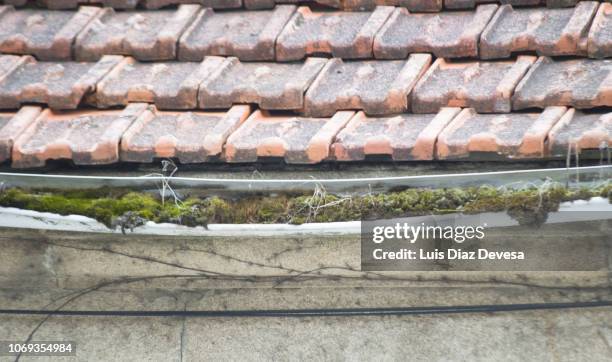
412	5
317	87
287	33
140	133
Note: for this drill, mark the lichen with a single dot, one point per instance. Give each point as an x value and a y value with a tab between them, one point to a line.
128	209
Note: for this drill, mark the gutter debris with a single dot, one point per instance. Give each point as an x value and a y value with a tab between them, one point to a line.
126	209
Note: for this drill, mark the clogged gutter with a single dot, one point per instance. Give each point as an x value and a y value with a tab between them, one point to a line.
127	209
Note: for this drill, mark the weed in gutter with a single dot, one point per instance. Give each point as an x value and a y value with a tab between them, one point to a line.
128	209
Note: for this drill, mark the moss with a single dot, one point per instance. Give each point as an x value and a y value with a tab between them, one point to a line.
528	206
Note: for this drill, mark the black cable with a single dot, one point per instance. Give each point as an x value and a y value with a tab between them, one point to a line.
492	308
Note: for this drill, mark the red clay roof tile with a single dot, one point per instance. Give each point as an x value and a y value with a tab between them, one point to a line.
485	86
12	125
514	135
378	87
581	83
600	35
61	85
87	138
274	86
297	139
403	137
580	131
347	35
145	35
248	35
170	85
447	34
545	31
48	35
189	136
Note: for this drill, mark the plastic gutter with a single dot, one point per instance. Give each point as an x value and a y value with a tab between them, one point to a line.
572	175
597	208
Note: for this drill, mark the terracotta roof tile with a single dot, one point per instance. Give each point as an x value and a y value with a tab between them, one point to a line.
403	137
446	34
215	4
87	138
248	35
513	135
170	85
340	34
485	86
188	136
378	87
297	139
145	35
600	35
271	85
581	83
581	131
12	125
46	34
71	4
546	31
61	85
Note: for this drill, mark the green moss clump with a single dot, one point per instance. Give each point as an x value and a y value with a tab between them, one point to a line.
528	206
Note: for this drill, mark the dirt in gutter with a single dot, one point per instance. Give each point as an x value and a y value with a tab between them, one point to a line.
128	209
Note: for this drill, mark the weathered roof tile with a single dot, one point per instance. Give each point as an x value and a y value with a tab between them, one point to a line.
600	34
8	63
403	137
485	86
273	86
61	85
581	83
145	35
188	136
12	125
170	85
248	35
297	139
545	31
48	35
87	138
215	4
71	4
447	34
347	35
577	131
513	135
378	87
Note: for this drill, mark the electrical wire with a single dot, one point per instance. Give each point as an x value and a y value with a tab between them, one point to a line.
325	312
